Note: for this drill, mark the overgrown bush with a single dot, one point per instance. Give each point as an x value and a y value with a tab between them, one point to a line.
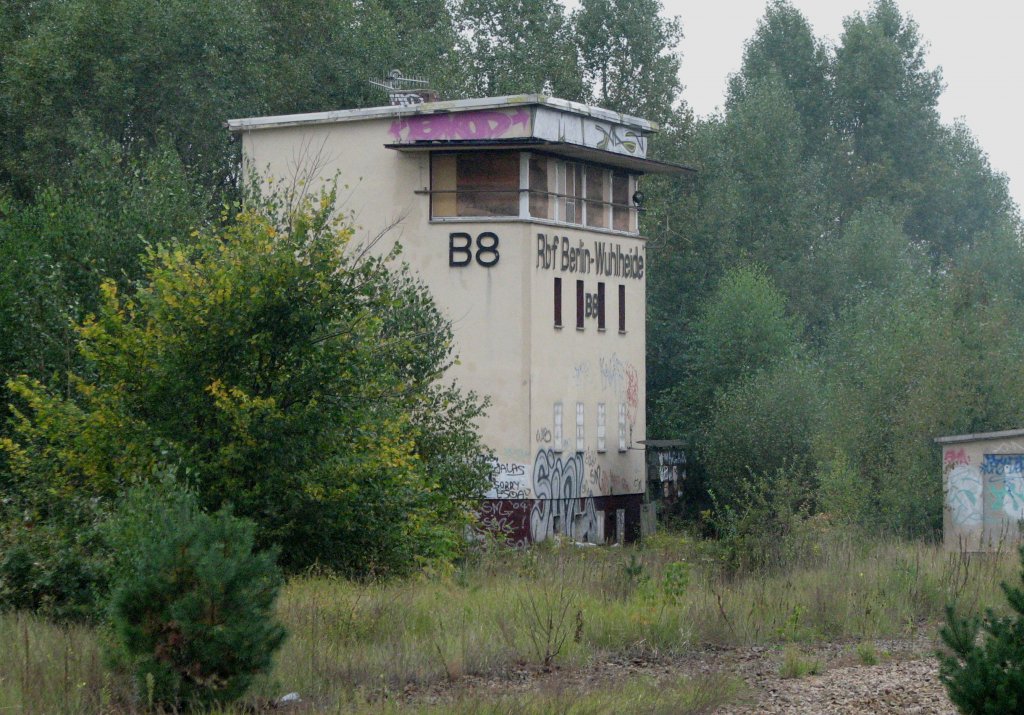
54	570
986	677
766	524
294	375
192	610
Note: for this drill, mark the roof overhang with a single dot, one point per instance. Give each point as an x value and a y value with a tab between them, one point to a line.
564	149
1005	434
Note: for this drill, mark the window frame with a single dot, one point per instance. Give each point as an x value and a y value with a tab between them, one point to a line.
559	200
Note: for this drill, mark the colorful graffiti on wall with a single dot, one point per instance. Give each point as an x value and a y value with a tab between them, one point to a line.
561	506
491	124
1004	477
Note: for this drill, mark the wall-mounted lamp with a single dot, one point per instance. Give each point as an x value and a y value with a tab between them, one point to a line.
638	200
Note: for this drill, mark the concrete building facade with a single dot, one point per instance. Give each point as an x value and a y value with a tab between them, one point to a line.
520	214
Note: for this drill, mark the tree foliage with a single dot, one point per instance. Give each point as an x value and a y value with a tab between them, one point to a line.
628	51
516	47
891	243
293	375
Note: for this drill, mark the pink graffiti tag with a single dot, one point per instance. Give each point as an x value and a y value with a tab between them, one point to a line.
464	125
952	457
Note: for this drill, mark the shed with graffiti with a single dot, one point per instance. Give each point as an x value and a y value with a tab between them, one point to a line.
983	488
521	215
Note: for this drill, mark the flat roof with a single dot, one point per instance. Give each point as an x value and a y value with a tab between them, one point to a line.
455	105
1005	434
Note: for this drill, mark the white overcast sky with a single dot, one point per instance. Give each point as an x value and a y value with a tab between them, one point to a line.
978	44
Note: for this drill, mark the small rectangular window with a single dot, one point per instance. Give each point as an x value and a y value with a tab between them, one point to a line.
558	302
622	427
596	206
579	305
600	306
581	443
556	438
622	308
601	427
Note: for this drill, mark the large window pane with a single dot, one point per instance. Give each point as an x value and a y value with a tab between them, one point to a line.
487	184
596	208
542	177
621	209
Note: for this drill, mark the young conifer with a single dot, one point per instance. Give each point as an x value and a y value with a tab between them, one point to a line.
986	676
192	611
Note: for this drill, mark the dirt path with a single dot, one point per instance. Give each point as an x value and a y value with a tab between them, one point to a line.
904	681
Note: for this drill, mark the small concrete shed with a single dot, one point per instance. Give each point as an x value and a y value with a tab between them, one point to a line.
983	490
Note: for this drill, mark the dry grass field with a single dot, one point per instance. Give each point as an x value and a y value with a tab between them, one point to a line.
557	629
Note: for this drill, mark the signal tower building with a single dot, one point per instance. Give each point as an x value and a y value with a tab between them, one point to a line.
521	215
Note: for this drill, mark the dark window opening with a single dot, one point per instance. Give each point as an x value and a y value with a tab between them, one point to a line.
579	305
558	302
622	308
600	306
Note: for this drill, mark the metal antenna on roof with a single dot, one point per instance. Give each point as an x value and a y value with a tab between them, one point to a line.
405	91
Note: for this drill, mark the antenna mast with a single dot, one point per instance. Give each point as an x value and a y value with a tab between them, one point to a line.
405	91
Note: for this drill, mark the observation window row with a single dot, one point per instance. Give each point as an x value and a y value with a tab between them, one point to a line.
514	184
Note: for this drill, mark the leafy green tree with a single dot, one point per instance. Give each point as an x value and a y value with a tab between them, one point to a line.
132	72
884	107
741	330
326	51
292	376
56	250
518	47
987	677
963	200
629	56
785	49
766	424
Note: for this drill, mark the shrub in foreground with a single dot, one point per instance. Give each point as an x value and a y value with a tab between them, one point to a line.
192	607
298	376
986	677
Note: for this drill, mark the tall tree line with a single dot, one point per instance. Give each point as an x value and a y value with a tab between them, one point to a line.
837	287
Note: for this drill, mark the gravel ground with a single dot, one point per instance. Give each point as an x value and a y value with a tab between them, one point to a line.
905	679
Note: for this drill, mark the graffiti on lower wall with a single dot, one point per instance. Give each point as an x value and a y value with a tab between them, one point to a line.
964	496
562	507
1004	477
509	480
507	518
